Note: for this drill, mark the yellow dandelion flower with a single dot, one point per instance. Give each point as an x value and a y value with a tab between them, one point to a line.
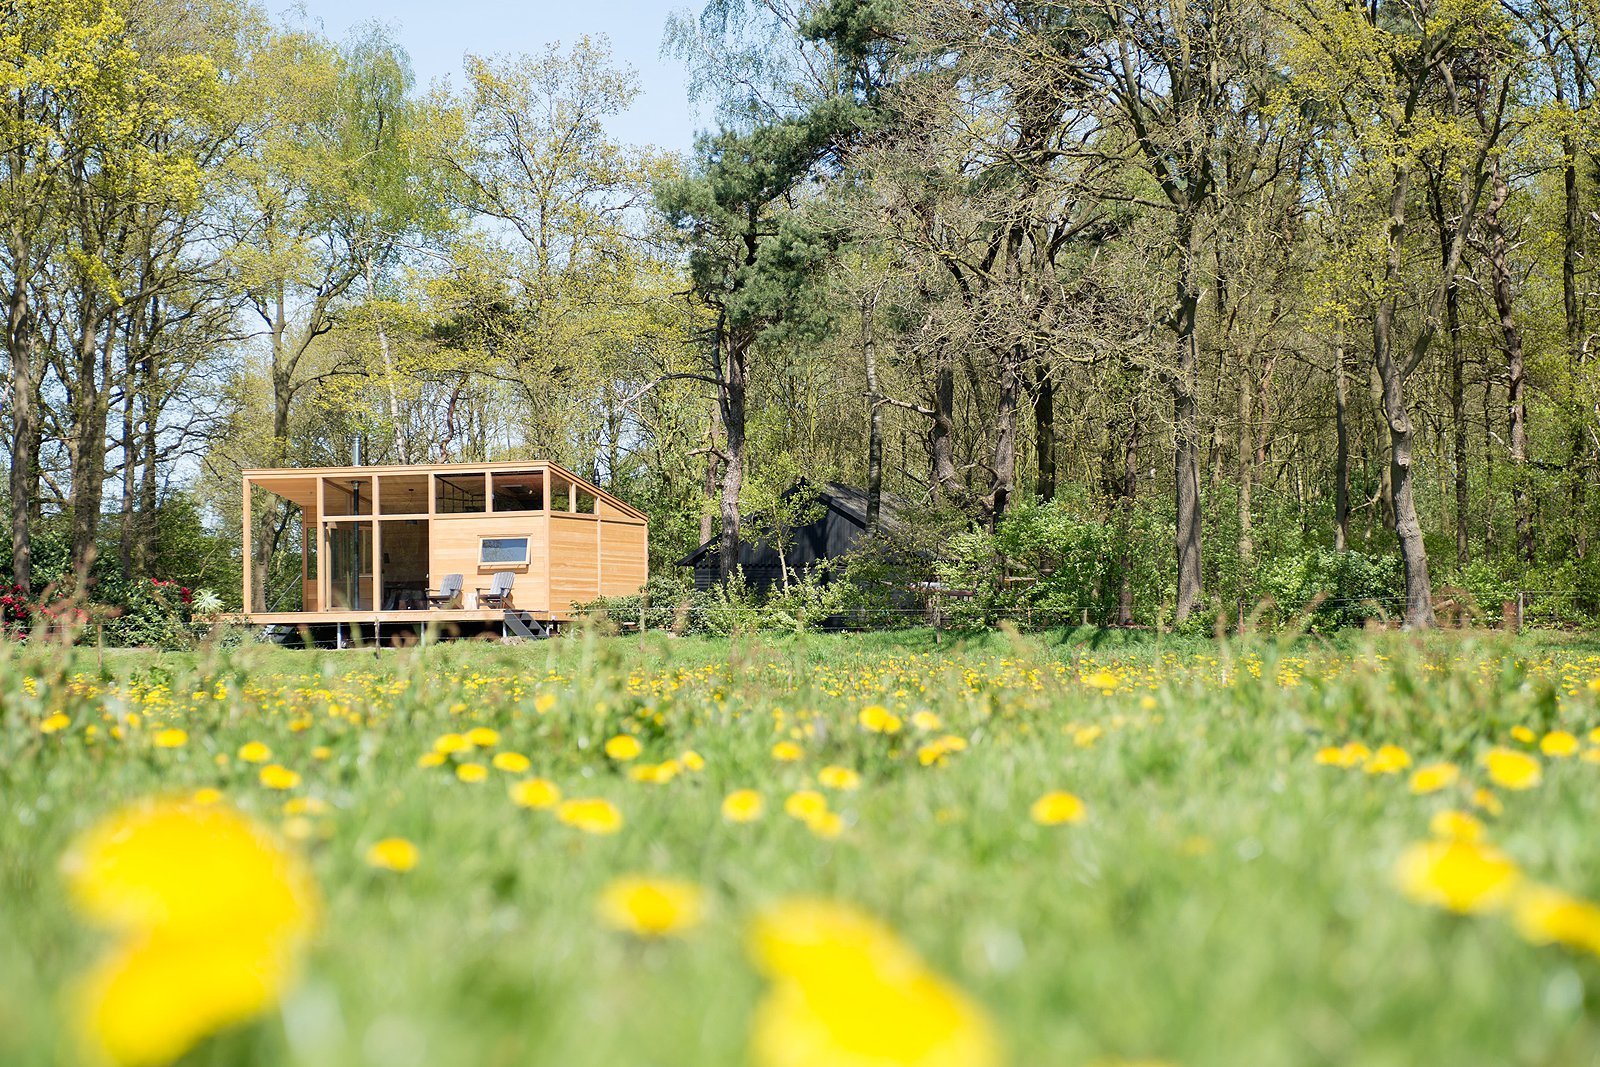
1558	743
592	815
305	806
536	793
544	702
846	992
624	747
1103	680
1432	777
651	907
1485	801
1058	808
787	752
276	776
254	752
1452	825
431	759
212	911
1510	769
692	761
173	738
206	795
1084	736
449	744
483	737
321	752
471	773
1389	759
55	723
841	778
1459	876
826	824
743	805
805	804
1523	734
878	719
655	773
393	854
1547	916
927	721
511	762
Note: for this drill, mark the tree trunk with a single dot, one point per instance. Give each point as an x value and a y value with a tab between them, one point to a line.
869	354
1246	450
23	352
86	448
1129	494
708	520
1392	376
734	386
1458	422
1184	386
1341	454
945	475
1044	429
1511	335
1004	457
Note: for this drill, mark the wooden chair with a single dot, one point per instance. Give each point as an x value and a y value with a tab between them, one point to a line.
449	594
498	595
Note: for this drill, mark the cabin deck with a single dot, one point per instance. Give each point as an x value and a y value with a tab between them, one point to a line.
410	617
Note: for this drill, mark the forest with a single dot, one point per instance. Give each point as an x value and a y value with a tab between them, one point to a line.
1148	311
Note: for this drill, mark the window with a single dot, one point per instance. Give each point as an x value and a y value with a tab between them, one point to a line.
503	550
460	494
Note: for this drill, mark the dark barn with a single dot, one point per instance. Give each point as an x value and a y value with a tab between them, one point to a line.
840	523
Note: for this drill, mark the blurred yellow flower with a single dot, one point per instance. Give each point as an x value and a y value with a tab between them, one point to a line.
1523	734
173	738
692	761
624	747
393	854
787	752
1460	876
275	776
1102	679
254	752
1558	743
1056	808
1454	825
847	993
805	804
1084	736
511	762
592	815
1548	916
655	773
431	759
1432	777
321	752
483	737
1510	769
544	702
878	719
471	773
212	911
1389	759
206	795
651	907
305	806
448	744
55	723
926	721
743	805
1485	800
841	778
826	824
536	793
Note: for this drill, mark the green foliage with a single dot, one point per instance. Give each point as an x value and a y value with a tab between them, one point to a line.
1330	589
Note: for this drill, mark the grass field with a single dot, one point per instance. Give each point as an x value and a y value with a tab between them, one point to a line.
1245	884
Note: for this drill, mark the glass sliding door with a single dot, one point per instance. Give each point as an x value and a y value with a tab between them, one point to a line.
350	565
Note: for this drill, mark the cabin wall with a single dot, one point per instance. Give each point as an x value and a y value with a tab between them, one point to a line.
574	560
624	557
453	546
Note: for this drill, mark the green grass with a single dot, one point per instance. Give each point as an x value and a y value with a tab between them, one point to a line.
1227	902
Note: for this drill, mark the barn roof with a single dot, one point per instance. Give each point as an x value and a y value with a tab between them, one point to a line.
845	500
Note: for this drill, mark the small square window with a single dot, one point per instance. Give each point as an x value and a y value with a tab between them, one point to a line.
503	550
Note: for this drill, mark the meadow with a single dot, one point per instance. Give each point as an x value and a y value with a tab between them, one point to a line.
843	850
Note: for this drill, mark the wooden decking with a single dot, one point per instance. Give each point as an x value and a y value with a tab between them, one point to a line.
412	618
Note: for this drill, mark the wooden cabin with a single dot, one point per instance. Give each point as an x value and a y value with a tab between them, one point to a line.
380	543
836	527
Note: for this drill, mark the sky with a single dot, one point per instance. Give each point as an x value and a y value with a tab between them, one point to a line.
439	33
